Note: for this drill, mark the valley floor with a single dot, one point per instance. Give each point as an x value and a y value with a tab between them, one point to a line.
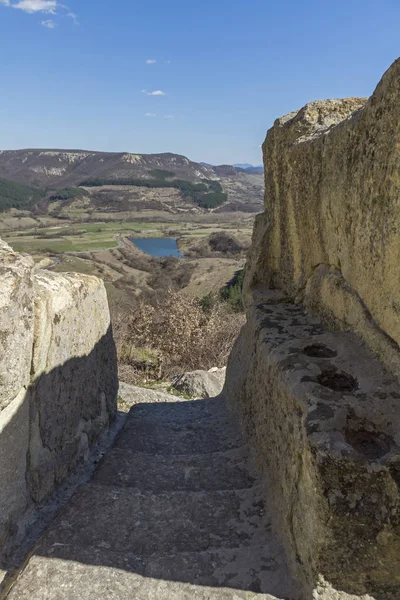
91	247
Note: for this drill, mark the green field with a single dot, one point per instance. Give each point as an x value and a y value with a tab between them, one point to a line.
83	237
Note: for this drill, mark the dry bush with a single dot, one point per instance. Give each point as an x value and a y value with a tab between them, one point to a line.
224	243
179	331
164	272
170	272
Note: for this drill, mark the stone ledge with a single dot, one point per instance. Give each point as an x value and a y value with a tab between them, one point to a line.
323	418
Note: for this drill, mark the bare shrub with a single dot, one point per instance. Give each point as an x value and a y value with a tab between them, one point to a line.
222	242
179	331
170	272
164	272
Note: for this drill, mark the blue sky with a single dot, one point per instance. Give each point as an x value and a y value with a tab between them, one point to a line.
76	75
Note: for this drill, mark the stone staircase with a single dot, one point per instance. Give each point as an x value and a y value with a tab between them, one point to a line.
173	512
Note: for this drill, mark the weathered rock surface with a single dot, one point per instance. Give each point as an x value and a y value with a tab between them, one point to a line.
323	418
201	384
132	394
74	370
16	324
319	396
330	233
16	343
58	381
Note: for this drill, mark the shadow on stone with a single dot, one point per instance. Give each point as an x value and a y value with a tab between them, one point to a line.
319	351
47	433
173	511
371	444
338	381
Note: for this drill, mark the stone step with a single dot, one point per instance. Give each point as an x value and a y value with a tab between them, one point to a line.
127	520
97	576
228	470
172	513
183	411
255	568
202	437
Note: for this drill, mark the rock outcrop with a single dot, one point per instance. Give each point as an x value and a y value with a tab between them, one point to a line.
201	384
58	381
314	374
330	233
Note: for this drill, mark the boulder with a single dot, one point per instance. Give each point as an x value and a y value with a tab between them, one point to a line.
130	395
201	384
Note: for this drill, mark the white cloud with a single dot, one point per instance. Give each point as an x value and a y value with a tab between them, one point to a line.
33	6
49	24
73	16
151	61
49	7
155	93
169	117
150	115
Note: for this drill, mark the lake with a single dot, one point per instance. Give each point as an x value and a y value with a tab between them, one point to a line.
158	247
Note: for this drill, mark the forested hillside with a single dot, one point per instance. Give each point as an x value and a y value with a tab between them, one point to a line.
18	195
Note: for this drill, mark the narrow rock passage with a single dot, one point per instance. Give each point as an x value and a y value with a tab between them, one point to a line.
173	513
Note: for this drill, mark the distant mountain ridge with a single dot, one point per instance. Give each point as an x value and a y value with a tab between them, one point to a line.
253	169
45	167
54	169
58	168
247	167
243	165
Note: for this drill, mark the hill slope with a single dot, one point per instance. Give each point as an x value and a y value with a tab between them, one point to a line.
250	168
61	168
18	195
